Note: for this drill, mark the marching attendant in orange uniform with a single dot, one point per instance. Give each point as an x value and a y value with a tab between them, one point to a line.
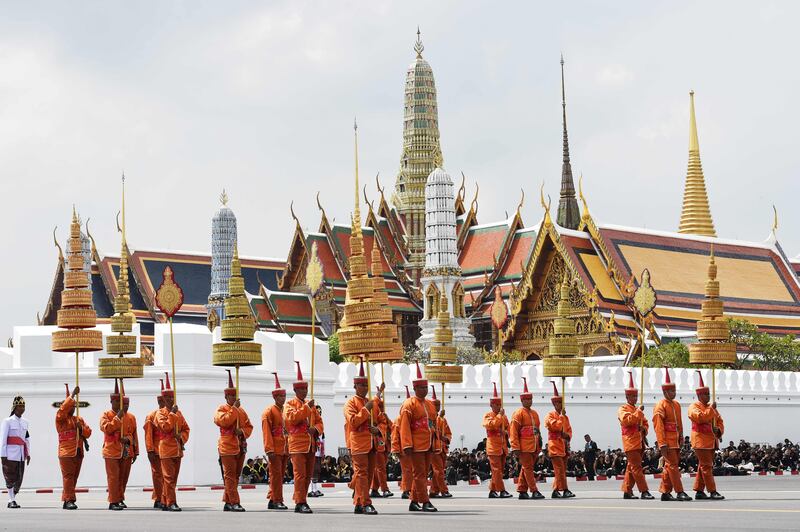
526	444
173	434
129	432
496	425
383	443
275	446
111	426
634	437
303	426
405	460
417	431
151	435
234	429
439	456
72	433
707	429
668	425
559	433
362	434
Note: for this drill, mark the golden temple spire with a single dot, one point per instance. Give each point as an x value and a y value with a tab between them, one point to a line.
696	212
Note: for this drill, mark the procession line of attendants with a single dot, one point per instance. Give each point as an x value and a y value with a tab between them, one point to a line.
419	436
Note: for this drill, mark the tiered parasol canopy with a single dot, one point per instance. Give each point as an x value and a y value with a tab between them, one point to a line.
562	359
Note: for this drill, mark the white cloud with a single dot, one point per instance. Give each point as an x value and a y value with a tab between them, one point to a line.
614	75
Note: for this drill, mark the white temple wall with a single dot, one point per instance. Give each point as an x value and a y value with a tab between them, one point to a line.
757	406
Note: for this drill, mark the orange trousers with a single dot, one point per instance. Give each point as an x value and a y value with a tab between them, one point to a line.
114	479
559	472
527	478
70	469
277	470
124	475
705	470
438	484
231	469
420	465
363	472
170	469
379	481
498	465
303	465
634	473
155	472
671	475
406	473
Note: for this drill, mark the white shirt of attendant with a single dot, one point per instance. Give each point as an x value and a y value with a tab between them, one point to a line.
10	427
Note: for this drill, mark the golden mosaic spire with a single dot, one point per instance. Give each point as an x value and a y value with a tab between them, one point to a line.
562	358
238	327
713	334
76	318
367	325
696	213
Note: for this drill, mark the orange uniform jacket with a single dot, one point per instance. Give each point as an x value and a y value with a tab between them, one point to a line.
496	426
169	425
272	430
226	419
668	424
522	435
443	427
417	424
630	419
704	419
556	424
396	447
298	417
151	432
112	428
357	422
67	428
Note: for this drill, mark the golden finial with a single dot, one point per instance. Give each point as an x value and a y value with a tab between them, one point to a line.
91	238
581	196
223	198
696	212
55	241
474	205
521	200
418	47
123	209
774	221
357	210
694	144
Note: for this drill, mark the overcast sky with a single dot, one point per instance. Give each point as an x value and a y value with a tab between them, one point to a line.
259	98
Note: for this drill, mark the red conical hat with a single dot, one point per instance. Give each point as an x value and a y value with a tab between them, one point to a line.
231	389
408	393
668	384
702	388
419	381
115	395
67	387
361	378
278	390
299	384
631	389
525	393
556	398
168	391
433	396
495	398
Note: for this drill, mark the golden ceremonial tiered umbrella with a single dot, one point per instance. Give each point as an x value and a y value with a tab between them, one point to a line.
76	318
238	328
367	325
713	346
443	352
562	358
122	343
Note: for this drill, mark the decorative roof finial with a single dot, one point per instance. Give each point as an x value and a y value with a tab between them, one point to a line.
583	198
223	198
696	212
774	221
418	47
357	210
122	229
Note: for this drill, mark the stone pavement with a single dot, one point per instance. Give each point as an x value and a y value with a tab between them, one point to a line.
753	503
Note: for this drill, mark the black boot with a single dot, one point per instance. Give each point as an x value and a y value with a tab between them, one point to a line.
447	495
556	495
405	495
358	509
700	495
414	507
386	494
370	510
157	505
537	495
302	508
374	493
226	508
428	507
682	496
494	495
434	496
567	494
667	497
114	506
647	496
122	503
629	495
504	494
237	508
524	495
70	505
715	496
13	504
174	508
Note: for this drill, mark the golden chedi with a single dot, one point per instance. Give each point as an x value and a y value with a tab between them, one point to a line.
713	344
77	317
562	358
443	351
238	328
121	344
381	296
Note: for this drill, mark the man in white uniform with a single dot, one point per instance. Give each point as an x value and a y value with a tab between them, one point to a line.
15	448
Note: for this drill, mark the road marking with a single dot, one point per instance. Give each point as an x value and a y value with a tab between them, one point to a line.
680	508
